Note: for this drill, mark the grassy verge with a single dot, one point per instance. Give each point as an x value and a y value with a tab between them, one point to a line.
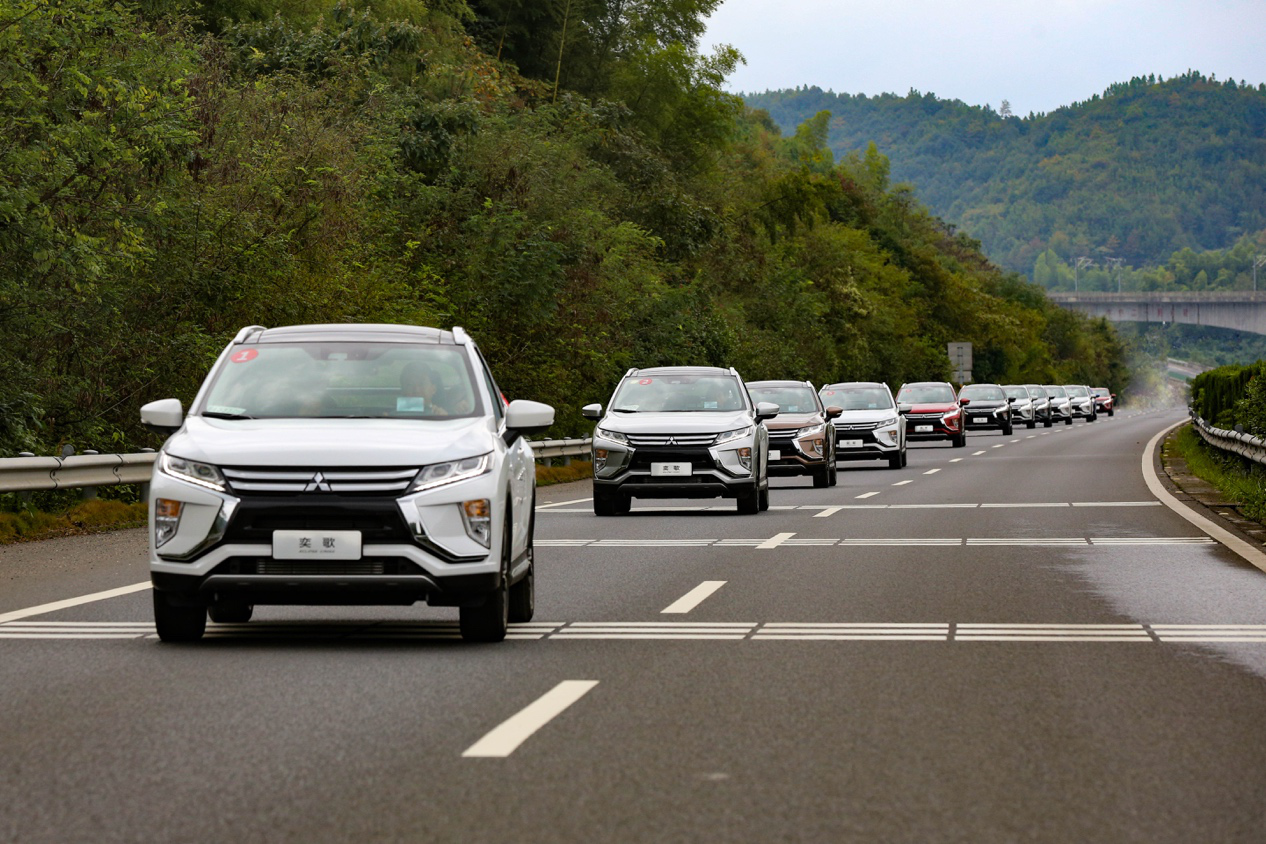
1240	480
93	516
84	517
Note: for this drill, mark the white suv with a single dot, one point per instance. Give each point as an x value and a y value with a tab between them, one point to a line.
344	464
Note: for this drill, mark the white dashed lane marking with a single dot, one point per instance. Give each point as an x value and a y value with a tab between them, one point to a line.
903	483
931	471
868	494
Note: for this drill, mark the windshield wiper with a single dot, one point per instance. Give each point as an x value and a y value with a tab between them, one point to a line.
623	410
215	414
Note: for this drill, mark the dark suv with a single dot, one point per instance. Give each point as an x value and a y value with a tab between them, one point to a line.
985	407
802	438
680	432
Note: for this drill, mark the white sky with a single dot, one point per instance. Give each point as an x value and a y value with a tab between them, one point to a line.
1038	54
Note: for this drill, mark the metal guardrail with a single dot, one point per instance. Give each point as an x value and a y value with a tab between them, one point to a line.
1245	445
89	471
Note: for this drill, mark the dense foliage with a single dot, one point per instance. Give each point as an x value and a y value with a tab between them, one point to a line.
566	179
1232	395
1151	168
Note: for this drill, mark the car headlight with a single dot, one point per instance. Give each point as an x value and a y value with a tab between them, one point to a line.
202	474
613	436
888	423
811	430
439	474
950	416
736	434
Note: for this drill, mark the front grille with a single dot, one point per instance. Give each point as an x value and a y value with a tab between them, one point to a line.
343	481
644	457
857	426
924	417
332	568
379	520
779	438
642	440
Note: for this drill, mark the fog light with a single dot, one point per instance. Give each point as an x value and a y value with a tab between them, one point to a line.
817	446
600	459
477	518
745	458
166	520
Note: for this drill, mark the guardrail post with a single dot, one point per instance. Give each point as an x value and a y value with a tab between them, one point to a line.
89	493
25	495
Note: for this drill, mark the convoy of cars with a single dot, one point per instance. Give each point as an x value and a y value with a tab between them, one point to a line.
381	464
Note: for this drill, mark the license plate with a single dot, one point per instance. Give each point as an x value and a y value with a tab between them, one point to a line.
775	454
670	470
923	429
850	443
979	420
316	544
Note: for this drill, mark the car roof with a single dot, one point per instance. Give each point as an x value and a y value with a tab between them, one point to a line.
778	384
927	384
367	333
681	370
854	384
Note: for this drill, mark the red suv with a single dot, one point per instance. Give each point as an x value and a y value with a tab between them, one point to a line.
932	412
1105	401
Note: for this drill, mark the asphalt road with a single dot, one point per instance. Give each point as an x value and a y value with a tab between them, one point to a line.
1008	642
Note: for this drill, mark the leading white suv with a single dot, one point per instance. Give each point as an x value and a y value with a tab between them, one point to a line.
344	464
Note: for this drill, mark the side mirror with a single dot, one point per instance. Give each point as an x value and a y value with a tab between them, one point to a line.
164	416
1012	400
964	402
834	412
591	411
766	410
527	417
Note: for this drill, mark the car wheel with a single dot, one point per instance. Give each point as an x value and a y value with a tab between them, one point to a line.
488	621
176	623
1068	421
960	440
231	613
1007	430
822	477
1048	422
1031	424
834	474
905	458
523	593
894	460
1112	412
606	502
749	502
763	497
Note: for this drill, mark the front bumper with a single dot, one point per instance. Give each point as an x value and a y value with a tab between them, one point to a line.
790	455
936	429
986	422
715	471
866	442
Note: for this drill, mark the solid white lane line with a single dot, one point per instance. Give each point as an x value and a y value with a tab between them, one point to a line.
73	602
506	738
564	503
694	597
976	453
931	471
903	483
1019	504
827	512
775	540
868	494
1117	504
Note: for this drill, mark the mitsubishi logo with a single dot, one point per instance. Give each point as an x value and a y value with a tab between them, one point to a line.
317	484
672	440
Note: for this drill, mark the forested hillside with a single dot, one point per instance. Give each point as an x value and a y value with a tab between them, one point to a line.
568	180
1150	168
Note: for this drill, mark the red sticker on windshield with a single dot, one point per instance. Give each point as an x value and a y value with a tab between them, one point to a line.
244	355
830	392
644	381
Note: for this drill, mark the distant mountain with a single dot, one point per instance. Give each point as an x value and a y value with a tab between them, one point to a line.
1151	167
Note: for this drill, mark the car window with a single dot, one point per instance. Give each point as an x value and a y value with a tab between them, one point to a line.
982	392
1057	392
495	398
341	380
1076	392
926	394
794	399
673	393
857	398
1016	392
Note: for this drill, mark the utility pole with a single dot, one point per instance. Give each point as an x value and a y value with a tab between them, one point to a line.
1115	264
1080	264
1258	260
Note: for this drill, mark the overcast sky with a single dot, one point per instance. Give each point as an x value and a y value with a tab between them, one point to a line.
1038	54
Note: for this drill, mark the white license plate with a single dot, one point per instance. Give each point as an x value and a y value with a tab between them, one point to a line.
316	544
775	454
923	429
670	470
849	443
979	420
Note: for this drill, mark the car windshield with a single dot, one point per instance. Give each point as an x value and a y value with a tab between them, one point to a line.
857	398
1057	392
1101	391
673	393
1077	392
926	394
792	399
1016	392
1037	392
982	392
342	380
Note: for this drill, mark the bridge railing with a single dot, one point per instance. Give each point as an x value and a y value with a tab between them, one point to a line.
29	473
1234	442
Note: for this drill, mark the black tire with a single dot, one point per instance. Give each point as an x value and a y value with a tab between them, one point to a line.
960	440
834	474
749	502
1031	424
610	503
523	593
1112	412
1048	423
489	621
763	497
822	477
234	612
905	458
1008	430
1068	421
895	460
177	623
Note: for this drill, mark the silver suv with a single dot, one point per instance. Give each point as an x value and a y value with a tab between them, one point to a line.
680	432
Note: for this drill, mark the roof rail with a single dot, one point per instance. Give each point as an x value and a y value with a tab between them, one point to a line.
460	336
248	331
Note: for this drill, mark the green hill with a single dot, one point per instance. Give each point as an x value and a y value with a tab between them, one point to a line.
1150	168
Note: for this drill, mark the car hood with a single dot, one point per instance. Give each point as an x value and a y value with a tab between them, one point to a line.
850	417
694	422
983	404
330	442
943	407
789	421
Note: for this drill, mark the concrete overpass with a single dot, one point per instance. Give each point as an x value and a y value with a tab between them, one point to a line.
1238	310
